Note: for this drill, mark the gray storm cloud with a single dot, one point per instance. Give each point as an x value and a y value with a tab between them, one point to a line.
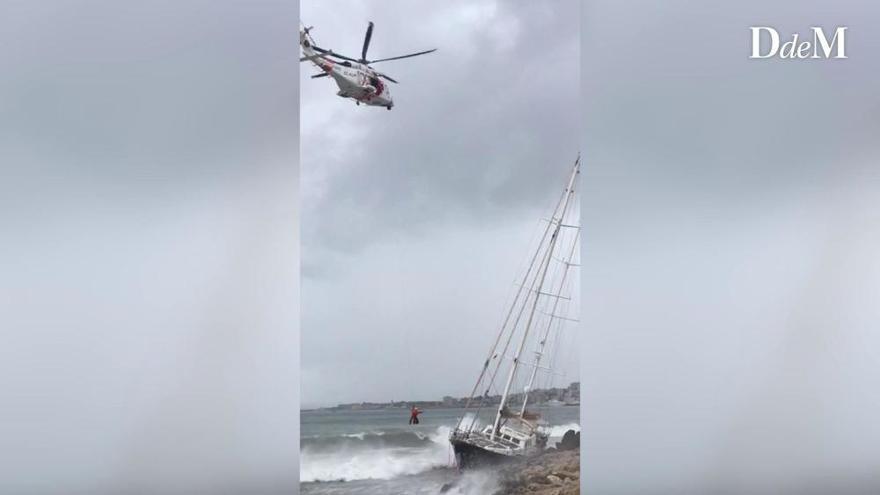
149	247
730	275
415	221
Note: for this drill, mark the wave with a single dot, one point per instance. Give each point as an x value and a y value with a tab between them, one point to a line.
383	455
373	455
367	440
557	431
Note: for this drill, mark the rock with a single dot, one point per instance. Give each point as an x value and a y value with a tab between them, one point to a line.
568	474
550	473
570	441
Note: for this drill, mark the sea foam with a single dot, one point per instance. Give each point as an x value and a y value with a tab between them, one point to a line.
374	455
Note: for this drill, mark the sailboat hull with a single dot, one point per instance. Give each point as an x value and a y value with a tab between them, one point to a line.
469	456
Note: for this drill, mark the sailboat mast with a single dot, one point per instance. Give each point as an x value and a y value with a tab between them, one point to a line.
504	326
569	190
543	343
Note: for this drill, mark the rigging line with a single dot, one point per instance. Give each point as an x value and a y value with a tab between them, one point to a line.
568	350
569	190
512	330
548	369
561	204
552	345
551	380
557	317
566	360
491	382
548	252
552	351
560	260
557	322
510	337
507	318
571	253
522	309
505	327
557	296
511	301
557	343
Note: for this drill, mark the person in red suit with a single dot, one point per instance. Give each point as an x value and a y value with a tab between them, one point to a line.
414	415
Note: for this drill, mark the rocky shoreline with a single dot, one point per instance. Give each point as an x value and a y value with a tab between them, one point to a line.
555	472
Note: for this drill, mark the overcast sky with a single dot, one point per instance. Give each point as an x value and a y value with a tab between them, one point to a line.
149	204
148	247
731	269
416	221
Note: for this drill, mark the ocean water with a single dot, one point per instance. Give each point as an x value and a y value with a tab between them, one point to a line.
378	452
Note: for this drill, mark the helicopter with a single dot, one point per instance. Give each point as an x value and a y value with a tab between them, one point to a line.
355	78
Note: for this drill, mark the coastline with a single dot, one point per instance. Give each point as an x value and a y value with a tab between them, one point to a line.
555	472
377	453
568	396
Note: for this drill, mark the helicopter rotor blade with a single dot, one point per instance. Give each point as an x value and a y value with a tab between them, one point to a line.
385	76
403	56
314	58
331	53
367	38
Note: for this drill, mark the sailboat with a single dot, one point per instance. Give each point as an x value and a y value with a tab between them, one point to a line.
490	432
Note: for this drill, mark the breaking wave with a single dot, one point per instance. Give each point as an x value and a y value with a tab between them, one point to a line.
370	440
557	431
383	455
373	455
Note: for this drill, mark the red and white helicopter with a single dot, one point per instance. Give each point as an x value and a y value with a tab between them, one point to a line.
355	78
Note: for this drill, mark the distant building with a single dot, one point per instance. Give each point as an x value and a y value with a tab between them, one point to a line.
569	395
